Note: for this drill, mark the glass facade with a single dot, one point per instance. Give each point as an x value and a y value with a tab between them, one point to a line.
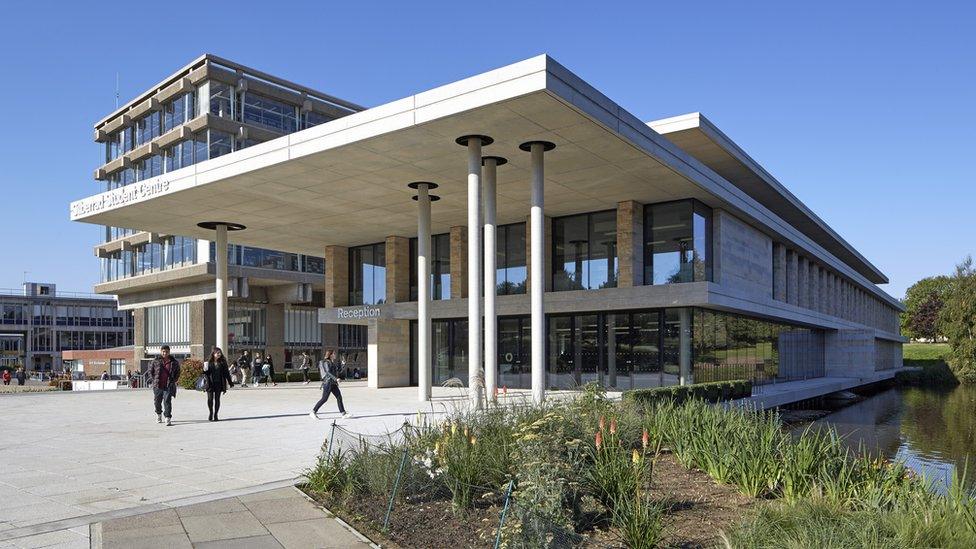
584	251
678	238
179	110
247	325
367	274
440	267
510	261
226	102
728	346
173	252
269	113
148	128
636	349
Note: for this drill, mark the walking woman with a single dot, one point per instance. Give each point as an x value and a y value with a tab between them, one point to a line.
329	370
216	380
269	371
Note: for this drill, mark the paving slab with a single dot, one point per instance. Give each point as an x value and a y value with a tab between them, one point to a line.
313	534
255	542
222	526
283	510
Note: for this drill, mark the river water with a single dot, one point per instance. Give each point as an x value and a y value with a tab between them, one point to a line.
932	430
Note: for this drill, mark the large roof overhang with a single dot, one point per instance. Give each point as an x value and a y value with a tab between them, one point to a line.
697	136
345	182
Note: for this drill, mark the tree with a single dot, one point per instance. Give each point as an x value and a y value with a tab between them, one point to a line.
957	322
923	303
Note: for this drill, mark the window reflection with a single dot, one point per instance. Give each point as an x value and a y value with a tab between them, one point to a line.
677	242
510	270
440	267
367	274
585	251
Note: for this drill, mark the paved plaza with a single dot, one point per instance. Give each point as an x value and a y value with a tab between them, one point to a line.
71	460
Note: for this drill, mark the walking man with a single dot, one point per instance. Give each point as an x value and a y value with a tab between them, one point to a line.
304	365
163	373
329	370
244	365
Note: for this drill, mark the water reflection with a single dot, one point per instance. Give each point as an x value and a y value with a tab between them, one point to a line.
932	430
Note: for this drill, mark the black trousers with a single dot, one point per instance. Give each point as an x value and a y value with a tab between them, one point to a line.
213	402
305	375
163	401
330	388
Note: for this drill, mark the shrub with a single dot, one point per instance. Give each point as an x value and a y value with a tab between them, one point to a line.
714	391
190	370
926	373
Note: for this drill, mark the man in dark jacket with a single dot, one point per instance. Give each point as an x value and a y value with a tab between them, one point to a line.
163	374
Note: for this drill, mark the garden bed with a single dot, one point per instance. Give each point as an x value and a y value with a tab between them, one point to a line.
697	511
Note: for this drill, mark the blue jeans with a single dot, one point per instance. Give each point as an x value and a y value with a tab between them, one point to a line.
163	400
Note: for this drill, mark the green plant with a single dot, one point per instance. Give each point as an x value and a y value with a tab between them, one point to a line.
328	475
957	321
713	391
190	370
616	470
639	521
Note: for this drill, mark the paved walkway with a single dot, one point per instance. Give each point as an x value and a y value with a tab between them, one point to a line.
68	456
779	394
73	459
280	518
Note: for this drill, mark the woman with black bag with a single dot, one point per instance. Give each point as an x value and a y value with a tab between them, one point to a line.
216	380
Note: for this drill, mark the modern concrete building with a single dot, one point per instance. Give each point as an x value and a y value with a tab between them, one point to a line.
520	229
37	324
210	108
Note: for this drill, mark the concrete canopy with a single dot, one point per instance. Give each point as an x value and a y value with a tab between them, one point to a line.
345	182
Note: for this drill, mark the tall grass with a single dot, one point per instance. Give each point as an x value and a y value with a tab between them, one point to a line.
567	457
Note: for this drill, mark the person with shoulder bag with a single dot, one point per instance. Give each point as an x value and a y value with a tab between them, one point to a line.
216	380
329	370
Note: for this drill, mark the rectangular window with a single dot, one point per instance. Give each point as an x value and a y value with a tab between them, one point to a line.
147	128
302	328
367	274
510	266
312	118
220	143
179	110
168	324
440	267
678	241
585	251
221	100
269	113
246	325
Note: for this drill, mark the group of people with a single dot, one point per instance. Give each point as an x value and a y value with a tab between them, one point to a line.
245	370
20	375
219	375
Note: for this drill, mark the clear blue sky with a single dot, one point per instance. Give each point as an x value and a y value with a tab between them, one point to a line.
865	110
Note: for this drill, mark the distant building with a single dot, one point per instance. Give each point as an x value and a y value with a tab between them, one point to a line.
37	324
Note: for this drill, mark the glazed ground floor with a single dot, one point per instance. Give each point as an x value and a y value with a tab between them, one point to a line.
630	349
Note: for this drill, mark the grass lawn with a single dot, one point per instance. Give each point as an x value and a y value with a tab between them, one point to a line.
925	351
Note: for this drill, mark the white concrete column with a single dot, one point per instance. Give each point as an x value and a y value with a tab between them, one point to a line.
221	258
537	262
220	228
423	199
475	379
490	164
